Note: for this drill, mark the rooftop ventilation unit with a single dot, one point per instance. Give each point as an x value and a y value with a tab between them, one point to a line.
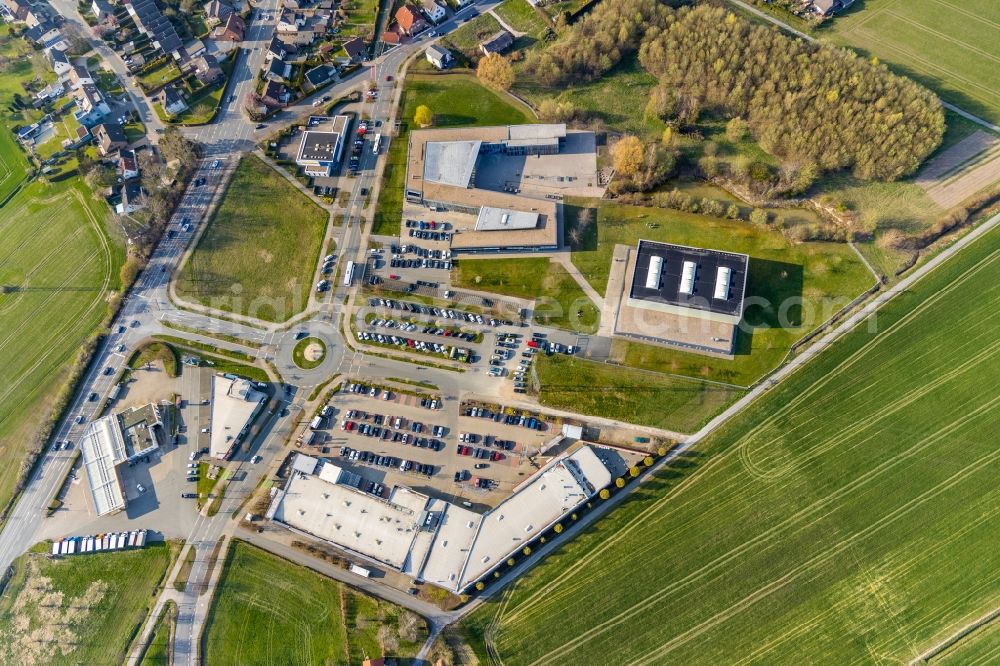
655	269
722	279
687	278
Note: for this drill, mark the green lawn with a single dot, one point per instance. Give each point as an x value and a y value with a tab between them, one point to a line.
521	16
360	20
456	99
158	651
560	301
13	163
84	609
299	353
267	610
259	252
825	276
681	404
948	45
467	37
849	516
60	266
159	76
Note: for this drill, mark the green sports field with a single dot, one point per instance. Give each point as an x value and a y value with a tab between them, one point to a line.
950	46
83	609
851	515
57	266
258	255
267	610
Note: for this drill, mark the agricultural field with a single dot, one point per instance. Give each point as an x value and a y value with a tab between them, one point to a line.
82	609
58	267
559	300
793	287
948	45
13	165
258	255
267	610
670	402
455	99
850	515
980	648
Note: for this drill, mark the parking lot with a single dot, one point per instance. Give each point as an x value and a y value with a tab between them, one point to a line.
393	440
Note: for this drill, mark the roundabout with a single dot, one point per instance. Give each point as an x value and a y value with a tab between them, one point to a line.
309	353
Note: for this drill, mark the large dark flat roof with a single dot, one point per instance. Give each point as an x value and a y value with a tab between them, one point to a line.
708	263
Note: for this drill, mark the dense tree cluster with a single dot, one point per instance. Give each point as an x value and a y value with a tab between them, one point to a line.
800	100
596	43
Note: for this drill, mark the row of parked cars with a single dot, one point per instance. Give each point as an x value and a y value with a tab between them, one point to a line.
522	420
443	264
433	225
464	450
429	235
410	327
377	460
444	313
417	345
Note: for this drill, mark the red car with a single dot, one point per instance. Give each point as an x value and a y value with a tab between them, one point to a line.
496	455
393	277
532	344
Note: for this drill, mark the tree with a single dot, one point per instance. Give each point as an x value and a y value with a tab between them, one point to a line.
495	71
633	471
759	216
423	116
736	130
648	461
627	156
668	136
605	494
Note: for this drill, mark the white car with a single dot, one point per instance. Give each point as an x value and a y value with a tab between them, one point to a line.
205	430
193	456
255	460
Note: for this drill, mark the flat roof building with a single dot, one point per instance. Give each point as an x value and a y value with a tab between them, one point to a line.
235	403
322	144
443	173
110	441
428	538
683	296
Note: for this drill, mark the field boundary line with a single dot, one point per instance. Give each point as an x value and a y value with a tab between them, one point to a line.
947	38
641	518
741	404
961	10
766	590
956	638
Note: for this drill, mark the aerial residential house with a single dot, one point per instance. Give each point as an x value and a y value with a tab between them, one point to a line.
279	49
91	107
434	12
410	21
194	48
133	198
207	69
59	62
41	33
79	75
830	7
275	95
172	101
216	12
439	56
152	23
277	70
102	9
231	30
49	93
54	40
128	166
290	22
355	49
19	9
319	76
110	137
497	43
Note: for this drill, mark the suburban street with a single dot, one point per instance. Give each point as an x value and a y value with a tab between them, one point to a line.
149	308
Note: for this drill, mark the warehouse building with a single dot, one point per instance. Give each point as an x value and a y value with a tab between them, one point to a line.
111	441
685	297
500	187
235	404
428	538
